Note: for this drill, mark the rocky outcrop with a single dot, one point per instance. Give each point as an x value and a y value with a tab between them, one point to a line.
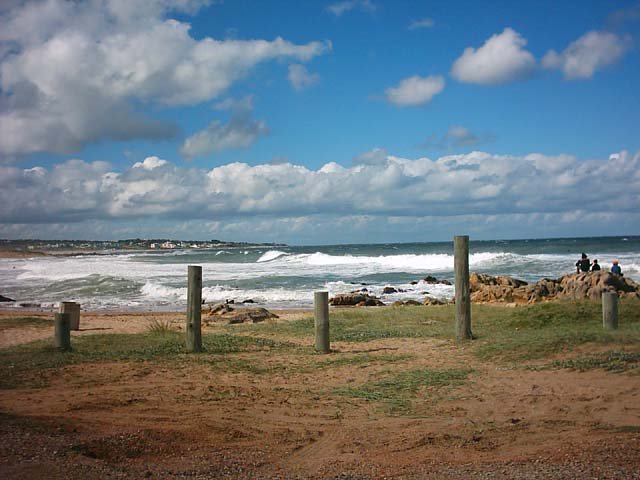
433	280
433	301
355	299
487	289
6	299
224	313
405	303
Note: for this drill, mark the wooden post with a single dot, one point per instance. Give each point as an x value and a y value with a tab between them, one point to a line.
463	300
321	311
61	332
194	305
73	309
610	310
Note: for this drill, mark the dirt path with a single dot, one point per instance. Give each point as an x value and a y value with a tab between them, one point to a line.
191	419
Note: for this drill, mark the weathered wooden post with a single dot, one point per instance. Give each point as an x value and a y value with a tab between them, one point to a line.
194	304
321	312
73	309
61	332
610	310
463	300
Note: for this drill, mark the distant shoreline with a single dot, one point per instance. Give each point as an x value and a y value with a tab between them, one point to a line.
9	253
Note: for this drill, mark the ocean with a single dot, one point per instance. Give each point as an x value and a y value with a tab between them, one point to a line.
286	277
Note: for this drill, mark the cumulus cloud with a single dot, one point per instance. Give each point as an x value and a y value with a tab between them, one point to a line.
415	90
340	8
592	51
501	59
241	131
71	72
375	156
477	183
423	23
301	78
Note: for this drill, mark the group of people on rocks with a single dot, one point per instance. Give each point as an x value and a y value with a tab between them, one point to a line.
585	265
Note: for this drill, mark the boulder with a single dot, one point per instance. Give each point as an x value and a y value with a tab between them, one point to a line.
6	299
432	301
224	313
433	280
389	290
357	299
405	303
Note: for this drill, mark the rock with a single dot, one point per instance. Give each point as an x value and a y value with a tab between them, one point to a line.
432	301
355	299
30	305
433	280
389	290
486	288
6	299
413	283
405	303
248	300
240	315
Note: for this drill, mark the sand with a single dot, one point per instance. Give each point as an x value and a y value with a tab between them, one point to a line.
194	420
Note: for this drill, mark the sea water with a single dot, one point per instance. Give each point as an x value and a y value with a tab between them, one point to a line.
286	277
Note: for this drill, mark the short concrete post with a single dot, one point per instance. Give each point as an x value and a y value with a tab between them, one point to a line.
73	309
463	299
61	332
321	312
194	305
610	310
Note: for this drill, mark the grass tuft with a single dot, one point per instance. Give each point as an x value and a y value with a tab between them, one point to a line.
397	391
160	326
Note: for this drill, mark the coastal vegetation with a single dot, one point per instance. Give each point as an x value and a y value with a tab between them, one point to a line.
395	377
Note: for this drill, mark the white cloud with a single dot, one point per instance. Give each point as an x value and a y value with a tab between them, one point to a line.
477	183
72	72
241	131
150	163
301	78
589	53
340	8
415	90
423	23
501	59
375	156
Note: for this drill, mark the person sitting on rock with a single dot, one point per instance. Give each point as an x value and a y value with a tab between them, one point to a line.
615	268
583	265
595	266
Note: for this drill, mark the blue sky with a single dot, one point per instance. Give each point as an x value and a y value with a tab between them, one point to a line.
319	122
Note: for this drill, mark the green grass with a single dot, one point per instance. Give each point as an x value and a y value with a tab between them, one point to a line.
366	325
292	365
397	391
17	363
509	334
610	361
532	332
17	322
503	335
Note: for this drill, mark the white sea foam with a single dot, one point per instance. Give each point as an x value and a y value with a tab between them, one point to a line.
276	278
271	255
157	291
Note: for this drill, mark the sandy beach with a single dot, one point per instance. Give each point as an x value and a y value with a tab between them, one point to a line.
273	412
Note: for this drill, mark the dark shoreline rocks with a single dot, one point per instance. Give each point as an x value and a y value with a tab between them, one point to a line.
355	299
575	286
6	299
